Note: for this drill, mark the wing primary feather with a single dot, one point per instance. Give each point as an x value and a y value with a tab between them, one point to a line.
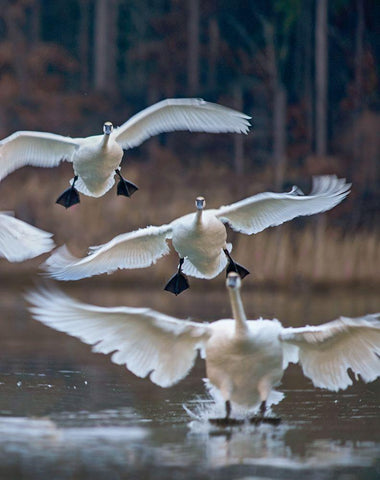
269	209
138	249
192	114
147	342
39	149
20	241
327	351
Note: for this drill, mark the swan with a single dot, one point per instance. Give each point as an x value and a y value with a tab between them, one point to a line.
199	238
96	159
245	359
20	241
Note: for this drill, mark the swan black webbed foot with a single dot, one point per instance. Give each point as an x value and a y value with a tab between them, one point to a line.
124	187
258	419
70	196
178	282
226	421
235	267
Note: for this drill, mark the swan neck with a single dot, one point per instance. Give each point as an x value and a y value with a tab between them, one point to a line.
105	140
198	217
241	326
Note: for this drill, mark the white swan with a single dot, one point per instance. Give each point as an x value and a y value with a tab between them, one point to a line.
199	238
20	241
245	359
96	159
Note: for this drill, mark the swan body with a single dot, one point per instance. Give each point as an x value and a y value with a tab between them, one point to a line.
199	238
95	159
232	361
95	164
245	359
20	241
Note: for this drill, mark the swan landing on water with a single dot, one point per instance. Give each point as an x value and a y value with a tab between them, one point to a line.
96	159
199	238
20	241
245	359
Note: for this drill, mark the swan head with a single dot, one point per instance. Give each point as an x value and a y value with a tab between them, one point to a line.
233	281
107	128
200	203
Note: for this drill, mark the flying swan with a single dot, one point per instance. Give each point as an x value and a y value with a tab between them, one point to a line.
199	238
245	359
96	159
20	241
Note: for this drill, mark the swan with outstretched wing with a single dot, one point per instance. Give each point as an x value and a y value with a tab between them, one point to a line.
96	159
199	238
245	359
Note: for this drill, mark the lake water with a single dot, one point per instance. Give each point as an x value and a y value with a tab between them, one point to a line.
66	413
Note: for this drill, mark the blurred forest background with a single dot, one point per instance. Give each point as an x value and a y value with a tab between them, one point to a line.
307	71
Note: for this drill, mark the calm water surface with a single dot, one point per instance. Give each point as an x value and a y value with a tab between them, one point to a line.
67	413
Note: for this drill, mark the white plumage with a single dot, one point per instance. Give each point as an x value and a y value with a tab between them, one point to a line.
199	238
20	241
245	360
96	158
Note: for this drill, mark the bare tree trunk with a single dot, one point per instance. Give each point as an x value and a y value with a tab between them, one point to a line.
358	78
193	46
279	109
279	133
214	35
84	50
357	155
238	139
106	16
321	54
36	22
19	46
308	83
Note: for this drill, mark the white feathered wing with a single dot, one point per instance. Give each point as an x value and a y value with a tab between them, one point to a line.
256	213
137	249
174	114
20	241
146	341
327	351
39	149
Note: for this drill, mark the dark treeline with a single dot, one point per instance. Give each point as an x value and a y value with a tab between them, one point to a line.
306	70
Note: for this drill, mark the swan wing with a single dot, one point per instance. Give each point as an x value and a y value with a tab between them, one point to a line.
137	249
147	342
327	351
254	214
20	241
174	114
39	149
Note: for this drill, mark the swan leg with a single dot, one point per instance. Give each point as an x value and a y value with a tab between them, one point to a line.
228	409
226	421
256	420
178	282
70	196
124	187
235	267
